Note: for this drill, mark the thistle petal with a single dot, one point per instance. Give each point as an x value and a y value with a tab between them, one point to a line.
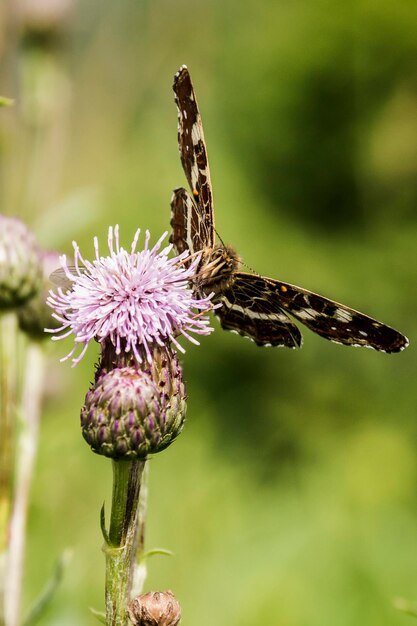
135	299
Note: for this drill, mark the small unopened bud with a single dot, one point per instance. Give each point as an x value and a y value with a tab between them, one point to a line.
156	608
20	266
35	315
131	412
43	21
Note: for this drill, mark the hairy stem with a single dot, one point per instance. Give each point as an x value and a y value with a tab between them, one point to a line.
121	548
26	455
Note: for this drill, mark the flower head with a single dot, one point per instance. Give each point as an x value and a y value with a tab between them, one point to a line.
20	266
131	412
35	314
135	300
156	608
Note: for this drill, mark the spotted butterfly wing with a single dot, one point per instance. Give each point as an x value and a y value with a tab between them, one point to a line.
192	217
248	309
253	306
189	230
256	306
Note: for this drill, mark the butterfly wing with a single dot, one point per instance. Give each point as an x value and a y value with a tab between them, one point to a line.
60	279
255	306
250	309
189	230
193	152
325	317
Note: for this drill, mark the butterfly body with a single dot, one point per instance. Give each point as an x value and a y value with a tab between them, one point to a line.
217	269
254	306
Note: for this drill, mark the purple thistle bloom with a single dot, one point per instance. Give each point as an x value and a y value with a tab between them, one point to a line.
134	299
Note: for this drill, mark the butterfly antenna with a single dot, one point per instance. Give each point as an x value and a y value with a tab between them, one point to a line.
221	240
245	265
248	267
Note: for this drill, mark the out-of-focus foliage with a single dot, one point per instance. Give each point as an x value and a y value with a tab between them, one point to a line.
290	498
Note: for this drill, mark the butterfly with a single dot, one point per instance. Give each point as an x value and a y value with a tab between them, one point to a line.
256	307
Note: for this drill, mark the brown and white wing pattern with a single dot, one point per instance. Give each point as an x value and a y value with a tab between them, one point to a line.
253	306
250	309
189	230
193	151
251	297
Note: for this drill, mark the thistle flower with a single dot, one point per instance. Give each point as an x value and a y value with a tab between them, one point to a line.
156	608
134	300
20	267
130	412
35	314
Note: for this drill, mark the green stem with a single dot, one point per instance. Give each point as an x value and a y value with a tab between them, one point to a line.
121	549
25	459
140	570
8	378
7	407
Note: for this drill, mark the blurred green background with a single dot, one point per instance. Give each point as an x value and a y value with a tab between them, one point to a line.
291	497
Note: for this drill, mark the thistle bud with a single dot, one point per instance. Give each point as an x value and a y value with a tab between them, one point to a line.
43	22
35	315
20	267
131	412
156	608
